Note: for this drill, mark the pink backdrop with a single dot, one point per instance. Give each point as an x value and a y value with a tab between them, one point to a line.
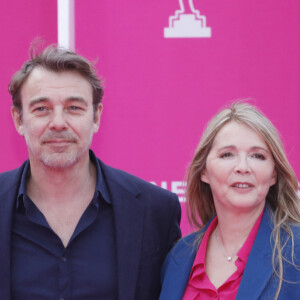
160	92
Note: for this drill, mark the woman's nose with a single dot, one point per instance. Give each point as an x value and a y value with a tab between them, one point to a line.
242	165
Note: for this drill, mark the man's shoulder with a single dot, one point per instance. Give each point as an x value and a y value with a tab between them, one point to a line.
9	182
128	181
11	174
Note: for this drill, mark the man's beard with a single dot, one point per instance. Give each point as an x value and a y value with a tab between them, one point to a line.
57	156
59	160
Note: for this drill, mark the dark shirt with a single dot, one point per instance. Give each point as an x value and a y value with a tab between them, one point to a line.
42	268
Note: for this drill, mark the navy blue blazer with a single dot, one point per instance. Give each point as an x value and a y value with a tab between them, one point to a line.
147	226
258	281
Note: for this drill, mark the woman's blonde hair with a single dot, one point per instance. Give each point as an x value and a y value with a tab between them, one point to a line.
282	197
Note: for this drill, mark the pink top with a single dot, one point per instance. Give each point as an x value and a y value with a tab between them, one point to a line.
199	285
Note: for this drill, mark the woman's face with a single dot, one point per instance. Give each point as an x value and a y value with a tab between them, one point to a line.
239	169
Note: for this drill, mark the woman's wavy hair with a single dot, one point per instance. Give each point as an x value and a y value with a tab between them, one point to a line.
282	196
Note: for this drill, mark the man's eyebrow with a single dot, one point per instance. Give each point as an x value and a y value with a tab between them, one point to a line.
38	100
45	99
75	98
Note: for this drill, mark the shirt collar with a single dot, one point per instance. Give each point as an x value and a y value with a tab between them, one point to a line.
101	186
242	254
247	246
22	188
203	244
199	263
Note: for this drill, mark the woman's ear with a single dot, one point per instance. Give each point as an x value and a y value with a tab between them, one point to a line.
274	177
204	176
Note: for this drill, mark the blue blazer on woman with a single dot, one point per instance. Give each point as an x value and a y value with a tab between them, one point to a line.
258	281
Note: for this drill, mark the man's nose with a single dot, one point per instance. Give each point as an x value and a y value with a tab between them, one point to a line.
58	120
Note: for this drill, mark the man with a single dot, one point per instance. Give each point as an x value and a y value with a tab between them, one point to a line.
72	227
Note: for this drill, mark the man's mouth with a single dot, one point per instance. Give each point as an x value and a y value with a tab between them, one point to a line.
57	141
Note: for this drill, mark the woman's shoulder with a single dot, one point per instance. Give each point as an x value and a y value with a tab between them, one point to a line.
295	228
182	254
291	229
185	249
186	242
190	242
296	235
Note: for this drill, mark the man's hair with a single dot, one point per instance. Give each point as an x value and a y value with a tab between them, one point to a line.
55	59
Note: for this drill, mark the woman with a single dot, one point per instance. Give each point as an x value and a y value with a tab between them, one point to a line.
241	187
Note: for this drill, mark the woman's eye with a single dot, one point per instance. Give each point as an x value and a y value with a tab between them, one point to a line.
226	154
259	156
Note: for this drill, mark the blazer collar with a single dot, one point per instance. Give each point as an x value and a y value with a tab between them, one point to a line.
183	255
182	258
179	264
9	185
259	269
129	215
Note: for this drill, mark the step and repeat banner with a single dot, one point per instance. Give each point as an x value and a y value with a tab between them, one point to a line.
168	66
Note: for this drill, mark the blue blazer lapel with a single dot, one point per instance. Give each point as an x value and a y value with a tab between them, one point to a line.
259	269
127	207
177	268
9	183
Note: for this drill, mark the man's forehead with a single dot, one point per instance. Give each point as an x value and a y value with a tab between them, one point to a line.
42	80
40	73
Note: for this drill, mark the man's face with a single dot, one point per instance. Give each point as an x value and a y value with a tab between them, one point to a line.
58	121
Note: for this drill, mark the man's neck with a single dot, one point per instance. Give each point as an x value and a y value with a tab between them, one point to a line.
62	195
61	184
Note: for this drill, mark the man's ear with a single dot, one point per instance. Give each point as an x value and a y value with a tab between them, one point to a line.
204	177
17	118
97	117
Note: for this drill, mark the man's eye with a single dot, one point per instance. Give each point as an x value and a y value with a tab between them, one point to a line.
40	109
73	107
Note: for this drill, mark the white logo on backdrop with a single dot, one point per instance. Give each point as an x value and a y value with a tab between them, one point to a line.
187	23
177	187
